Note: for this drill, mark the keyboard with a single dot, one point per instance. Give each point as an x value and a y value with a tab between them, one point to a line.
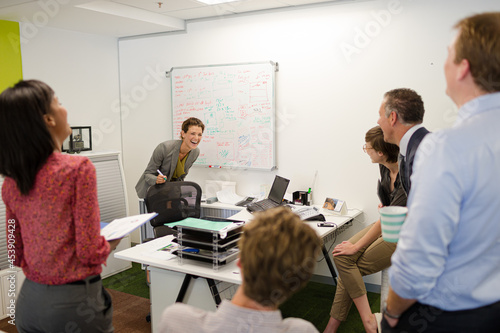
261	205
309	214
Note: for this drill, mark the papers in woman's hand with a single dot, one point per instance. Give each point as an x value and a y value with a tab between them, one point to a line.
121	227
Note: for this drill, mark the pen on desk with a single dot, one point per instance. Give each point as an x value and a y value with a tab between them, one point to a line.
215	166
161	174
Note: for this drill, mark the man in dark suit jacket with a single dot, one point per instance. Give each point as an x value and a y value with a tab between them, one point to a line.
401	116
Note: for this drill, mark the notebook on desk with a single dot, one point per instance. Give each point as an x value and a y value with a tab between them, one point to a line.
275	197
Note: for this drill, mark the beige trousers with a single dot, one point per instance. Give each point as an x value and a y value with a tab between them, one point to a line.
371	259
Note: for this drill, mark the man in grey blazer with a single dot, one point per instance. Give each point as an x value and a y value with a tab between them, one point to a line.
172	158
401	115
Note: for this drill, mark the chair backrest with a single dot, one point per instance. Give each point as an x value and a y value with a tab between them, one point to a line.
173	201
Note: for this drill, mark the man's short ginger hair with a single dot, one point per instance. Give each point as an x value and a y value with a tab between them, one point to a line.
478	42
278	254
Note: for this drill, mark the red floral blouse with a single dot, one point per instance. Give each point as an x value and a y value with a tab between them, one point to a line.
56	226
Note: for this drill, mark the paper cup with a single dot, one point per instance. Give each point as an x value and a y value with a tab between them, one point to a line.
392	218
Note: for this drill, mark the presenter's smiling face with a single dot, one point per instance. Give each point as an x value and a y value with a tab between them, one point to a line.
192	138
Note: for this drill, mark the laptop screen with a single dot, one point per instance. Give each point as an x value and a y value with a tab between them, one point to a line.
278	189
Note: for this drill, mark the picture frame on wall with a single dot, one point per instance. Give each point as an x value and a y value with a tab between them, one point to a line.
79	140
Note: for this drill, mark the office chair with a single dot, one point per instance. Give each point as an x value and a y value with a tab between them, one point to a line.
173	201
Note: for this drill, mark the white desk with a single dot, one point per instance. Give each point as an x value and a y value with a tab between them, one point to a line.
168	276
324	232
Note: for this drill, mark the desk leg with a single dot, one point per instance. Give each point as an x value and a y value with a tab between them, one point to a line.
182	291
330	264
214	291
185	284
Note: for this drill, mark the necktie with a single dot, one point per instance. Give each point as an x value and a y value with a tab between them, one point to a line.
402	172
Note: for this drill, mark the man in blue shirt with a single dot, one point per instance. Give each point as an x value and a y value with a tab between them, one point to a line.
445	274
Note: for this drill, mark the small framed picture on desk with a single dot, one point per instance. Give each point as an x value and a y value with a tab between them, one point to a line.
335	206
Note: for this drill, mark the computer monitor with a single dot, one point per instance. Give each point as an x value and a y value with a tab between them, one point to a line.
278	189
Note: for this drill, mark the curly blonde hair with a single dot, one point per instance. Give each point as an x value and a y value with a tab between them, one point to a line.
278	254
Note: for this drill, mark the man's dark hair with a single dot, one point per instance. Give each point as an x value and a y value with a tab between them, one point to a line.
407	104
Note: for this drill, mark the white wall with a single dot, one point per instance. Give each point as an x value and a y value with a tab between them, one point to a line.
83	71
335	63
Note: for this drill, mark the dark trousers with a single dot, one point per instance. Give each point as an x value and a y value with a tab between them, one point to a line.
84	308
421	318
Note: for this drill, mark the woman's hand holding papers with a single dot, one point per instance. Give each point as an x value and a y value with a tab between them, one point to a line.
113	244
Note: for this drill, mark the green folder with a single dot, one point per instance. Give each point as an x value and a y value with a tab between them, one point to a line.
200	224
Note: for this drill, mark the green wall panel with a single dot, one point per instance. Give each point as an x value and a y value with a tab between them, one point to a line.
11	68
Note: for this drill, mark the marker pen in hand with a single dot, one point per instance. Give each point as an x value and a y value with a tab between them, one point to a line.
159	172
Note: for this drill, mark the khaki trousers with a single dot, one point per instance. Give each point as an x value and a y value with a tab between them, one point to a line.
371	259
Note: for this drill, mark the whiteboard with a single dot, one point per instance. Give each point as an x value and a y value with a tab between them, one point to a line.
237	105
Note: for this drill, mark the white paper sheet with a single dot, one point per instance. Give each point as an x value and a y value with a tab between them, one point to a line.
164	252
228	196
121	227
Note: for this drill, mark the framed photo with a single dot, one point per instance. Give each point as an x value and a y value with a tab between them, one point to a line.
79	140
335	206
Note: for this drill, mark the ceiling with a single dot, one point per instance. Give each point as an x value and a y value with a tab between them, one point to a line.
121	18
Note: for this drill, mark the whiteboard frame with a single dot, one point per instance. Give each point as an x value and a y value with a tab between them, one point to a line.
275	65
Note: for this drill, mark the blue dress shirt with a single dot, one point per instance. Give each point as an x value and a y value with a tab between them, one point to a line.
448	254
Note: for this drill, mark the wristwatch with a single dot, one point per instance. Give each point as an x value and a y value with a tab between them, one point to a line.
387	313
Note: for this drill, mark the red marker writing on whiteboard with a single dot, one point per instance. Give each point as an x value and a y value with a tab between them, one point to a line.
215	166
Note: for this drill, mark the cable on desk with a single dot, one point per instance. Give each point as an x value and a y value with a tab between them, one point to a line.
330	248
337	232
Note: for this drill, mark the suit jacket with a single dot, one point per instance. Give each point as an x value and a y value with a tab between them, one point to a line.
164	158
411	150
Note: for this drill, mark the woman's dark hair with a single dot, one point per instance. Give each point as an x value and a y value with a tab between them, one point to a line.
375	137
24	137
192	122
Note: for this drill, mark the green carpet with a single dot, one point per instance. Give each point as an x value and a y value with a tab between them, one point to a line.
131	281
312	303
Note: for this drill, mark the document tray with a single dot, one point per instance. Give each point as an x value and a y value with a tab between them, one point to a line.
205	244
202	235
203	256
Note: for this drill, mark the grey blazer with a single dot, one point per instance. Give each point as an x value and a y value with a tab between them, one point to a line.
164	158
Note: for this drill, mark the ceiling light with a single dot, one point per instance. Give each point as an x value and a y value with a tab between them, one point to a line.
216	2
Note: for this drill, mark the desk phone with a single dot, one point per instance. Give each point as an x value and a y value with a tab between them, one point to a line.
245	202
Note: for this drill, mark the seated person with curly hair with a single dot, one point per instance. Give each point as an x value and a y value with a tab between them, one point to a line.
277	257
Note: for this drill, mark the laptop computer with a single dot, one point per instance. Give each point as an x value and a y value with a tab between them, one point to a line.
275	197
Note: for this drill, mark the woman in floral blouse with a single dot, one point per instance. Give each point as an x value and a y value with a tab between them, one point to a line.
53	227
